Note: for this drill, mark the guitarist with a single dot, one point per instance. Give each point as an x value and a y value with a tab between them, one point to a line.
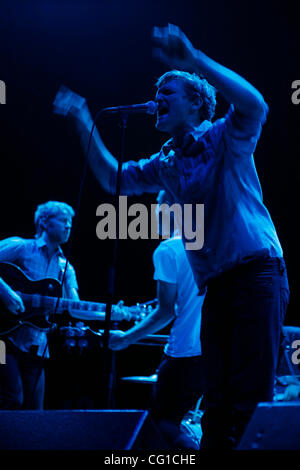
22	378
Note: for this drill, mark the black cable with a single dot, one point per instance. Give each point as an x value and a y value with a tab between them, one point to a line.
109	356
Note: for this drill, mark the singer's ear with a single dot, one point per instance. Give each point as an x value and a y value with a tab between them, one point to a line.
197	100
196	103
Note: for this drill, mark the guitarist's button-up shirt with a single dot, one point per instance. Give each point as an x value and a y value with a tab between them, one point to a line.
31	255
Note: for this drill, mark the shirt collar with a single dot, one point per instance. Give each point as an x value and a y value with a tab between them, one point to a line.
188	140
41	243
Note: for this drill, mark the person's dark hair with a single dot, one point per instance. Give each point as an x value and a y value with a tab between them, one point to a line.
194	86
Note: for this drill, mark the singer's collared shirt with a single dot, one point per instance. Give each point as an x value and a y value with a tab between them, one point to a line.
214	167
31	255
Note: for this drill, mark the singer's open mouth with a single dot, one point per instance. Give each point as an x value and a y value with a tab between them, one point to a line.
162	110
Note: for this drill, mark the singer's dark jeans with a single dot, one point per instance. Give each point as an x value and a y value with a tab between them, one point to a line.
178	388
242	316
22	381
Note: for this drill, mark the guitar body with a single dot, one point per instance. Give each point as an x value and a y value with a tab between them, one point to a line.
22	284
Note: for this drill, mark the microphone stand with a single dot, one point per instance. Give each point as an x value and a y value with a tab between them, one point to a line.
109	355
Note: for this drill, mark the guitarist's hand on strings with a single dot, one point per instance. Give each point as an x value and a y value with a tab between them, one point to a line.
11	299
118	312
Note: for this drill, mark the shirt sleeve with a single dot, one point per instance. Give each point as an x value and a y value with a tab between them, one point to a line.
71	281
140	177
241	132
11	249
164	261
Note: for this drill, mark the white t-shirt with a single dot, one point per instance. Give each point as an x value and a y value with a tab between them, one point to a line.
171	265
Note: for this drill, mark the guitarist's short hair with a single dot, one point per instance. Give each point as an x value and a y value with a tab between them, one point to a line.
50	209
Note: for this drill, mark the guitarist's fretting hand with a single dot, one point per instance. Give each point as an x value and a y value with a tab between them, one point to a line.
121	312
11	299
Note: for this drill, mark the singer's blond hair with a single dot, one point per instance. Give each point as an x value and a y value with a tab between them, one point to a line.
194	86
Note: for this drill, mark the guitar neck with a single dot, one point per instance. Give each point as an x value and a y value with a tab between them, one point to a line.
80	305
60	305
79	308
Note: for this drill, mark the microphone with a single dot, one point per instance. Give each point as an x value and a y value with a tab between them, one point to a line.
149	108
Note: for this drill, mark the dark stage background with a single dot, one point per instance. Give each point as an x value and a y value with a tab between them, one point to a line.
102	50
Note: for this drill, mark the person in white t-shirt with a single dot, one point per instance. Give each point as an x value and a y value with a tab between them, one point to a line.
179	383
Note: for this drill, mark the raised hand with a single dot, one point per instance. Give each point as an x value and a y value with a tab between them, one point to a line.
174	48
68	103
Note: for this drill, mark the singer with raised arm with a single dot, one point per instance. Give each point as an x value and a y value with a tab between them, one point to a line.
241	266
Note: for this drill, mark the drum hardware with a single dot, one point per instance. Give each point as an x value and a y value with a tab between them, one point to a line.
151	379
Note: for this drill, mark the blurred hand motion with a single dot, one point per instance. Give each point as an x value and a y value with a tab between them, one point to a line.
173	47
68	103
